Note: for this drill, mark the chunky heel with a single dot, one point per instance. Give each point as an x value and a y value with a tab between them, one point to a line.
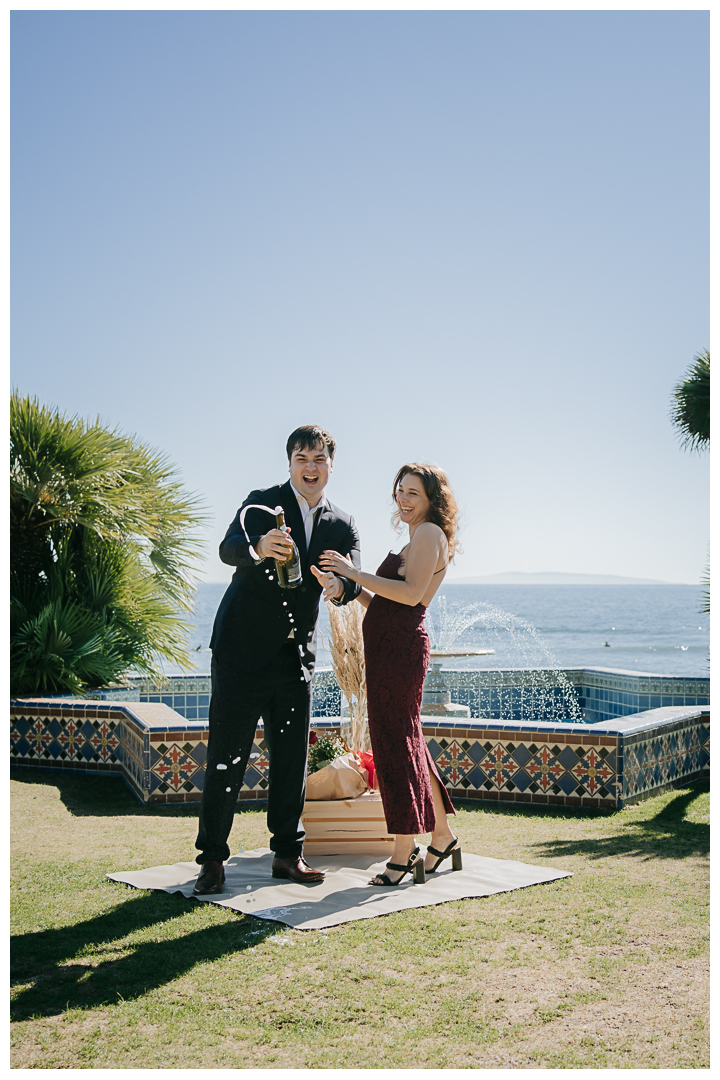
419	872
457	859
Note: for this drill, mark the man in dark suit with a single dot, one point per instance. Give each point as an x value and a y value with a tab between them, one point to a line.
263	644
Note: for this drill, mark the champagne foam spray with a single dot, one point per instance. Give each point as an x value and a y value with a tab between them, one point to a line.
252	506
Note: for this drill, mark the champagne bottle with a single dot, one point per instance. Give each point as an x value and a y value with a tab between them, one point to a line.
289	573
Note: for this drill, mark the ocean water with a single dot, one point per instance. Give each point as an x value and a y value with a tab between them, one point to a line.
648	628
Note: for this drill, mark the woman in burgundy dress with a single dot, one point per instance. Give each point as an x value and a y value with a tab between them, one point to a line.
397	653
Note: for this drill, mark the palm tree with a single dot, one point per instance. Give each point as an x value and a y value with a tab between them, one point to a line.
102	553
690	413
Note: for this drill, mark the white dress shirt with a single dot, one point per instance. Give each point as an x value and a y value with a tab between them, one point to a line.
308	513
308	516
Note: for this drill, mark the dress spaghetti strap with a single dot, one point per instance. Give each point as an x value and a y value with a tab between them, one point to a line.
402	563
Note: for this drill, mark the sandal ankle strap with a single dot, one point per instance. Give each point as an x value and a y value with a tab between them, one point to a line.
443	854
414	858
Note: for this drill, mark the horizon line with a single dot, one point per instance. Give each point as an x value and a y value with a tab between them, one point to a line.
487	580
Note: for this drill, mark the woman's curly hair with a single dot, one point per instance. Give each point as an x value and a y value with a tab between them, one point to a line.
443	507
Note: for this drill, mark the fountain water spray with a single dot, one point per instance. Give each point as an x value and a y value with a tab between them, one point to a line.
535	688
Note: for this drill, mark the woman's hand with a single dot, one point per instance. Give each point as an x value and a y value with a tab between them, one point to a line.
332	562
332	586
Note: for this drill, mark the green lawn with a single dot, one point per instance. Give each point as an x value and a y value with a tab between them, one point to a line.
606	969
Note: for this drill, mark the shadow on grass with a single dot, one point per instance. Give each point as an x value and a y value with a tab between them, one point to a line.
667	834
487	806
45	958
106	795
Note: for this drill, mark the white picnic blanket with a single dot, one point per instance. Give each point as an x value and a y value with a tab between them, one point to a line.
345	894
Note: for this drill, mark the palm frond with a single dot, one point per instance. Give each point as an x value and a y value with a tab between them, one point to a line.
104	547
690	410
62	648
705	580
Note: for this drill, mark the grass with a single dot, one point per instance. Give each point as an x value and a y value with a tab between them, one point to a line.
606	969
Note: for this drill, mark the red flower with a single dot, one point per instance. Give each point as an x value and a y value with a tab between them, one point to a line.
313	737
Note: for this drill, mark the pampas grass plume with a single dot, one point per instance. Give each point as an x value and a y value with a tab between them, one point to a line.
348	658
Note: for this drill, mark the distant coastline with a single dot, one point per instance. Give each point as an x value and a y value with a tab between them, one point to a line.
515	577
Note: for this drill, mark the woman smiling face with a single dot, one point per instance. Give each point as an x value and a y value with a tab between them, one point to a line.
412	501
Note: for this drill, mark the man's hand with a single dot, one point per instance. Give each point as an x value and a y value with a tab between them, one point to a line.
332	586
275	544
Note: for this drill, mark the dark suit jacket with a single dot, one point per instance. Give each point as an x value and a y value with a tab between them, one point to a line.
253	620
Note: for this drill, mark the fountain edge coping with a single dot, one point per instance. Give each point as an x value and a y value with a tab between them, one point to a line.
651	718
157	717
620	725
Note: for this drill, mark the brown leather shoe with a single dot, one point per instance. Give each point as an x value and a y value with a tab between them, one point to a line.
211	879
296	869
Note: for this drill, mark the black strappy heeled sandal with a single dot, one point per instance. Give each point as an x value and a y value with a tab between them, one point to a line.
450	850
415	866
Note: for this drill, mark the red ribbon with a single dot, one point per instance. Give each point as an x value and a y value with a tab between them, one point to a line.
367	762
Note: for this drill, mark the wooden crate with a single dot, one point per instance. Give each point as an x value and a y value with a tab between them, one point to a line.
346	826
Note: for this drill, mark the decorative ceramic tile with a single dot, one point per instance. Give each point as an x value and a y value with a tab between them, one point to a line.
71	739
498	765
662	757
533	767
174	768
162	757
594	775
105	742
64	739
454	763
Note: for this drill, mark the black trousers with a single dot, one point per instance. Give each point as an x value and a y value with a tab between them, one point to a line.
279	693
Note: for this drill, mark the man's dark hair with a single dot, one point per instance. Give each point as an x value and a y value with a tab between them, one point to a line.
310	437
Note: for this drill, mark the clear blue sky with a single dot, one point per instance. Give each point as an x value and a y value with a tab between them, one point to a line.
474	238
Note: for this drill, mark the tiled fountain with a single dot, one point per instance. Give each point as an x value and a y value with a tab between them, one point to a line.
634	735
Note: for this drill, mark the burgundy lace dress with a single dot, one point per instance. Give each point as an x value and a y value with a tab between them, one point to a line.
397	654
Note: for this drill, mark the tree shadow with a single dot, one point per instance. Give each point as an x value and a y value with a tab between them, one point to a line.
668	834
106	795
520	809
45	958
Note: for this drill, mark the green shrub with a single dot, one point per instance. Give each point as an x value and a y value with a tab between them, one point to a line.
101	554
